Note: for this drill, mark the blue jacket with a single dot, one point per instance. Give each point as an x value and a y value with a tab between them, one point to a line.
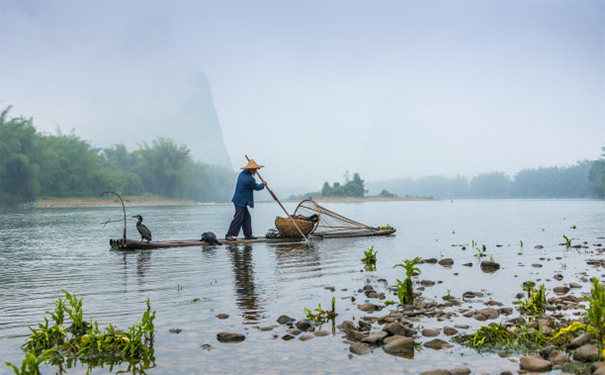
244	189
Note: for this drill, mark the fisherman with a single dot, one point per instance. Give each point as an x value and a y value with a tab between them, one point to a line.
242	198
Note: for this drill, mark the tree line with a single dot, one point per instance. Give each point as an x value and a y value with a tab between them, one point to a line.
585	179
34	165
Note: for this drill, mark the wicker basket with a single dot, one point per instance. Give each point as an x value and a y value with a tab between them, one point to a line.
287	229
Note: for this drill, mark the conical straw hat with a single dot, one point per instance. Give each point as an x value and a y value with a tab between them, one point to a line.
252	165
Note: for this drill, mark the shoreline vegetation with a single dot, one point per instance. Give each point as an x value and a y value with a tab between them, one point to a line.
159	201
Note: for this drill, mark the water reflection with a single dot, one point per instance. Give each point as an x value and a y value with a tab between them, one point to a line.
300	259
143	264
245	288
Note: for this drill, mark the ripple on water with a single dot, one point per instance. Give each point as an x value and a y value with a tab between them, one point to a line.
46	250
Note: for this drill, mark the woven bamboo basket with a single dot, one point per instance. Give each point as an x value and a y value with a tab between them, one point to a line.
287	229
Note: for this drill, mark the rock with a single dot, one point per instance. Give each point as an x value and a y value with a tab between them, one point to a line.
348	325
287	337
575	286
354	335
222	316
586	353
230	337
175	330
376	295
539	247
574	367
304	325
485	314
462	326
375	338
396	328
285	319
536	265
560	289
360	348
294	331
535	363
429	260
400	345
449	331
489	266
598	368
207	347
557	358
446	262
578	341
321	333
491	302
427	332
369	307
461	371
306	337
364	325
427	283
505	310
436	372
558	277
467	264
437	344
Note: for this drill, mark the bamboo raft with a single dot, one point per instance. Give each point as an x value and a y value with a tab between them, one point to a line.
309	219
128	244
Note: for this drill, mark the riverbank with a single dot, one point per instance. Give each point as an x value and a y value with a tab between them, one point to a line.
109	202
151	201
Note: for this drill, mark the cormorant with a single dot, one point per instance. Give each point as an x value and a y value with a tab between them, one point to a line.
143	230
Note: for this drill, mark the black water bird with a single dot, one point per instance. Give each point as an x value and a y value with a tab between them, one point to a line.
143	230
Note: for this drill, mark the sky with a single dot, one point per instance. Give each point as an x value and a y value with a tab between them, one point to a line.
316	89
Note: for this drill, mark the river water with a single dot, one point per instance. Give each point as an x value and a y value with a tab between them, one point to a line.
46	250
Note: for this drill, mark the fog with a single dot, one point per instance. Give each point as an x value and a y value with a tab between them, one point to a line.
315	89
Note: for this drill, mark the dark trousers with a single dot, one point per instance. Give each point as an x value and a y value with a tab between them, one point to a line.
241	220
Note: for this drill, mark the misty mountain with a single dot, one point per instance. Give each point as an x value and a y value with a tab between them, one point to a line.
134	87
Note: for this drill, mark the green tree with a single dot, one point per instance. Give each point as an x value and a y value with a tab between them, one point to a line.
70	166
326	190
164	166
354	187
18	173
123	169
490	185
597	175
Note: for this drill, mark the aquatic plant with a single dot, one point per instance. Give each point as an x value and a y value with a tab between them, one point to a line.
448	296
567	242
564	335
31	364
497	337
369	259
536	299
76	315
405	291
84	341
320	315
480	252
521	243
486	338
596	311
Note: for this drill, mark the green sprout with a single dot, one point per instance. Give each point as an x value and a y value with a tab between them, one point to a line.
369	259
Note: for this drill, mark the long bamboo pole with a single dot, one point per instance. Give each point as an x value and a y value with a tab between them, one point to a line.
281	205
